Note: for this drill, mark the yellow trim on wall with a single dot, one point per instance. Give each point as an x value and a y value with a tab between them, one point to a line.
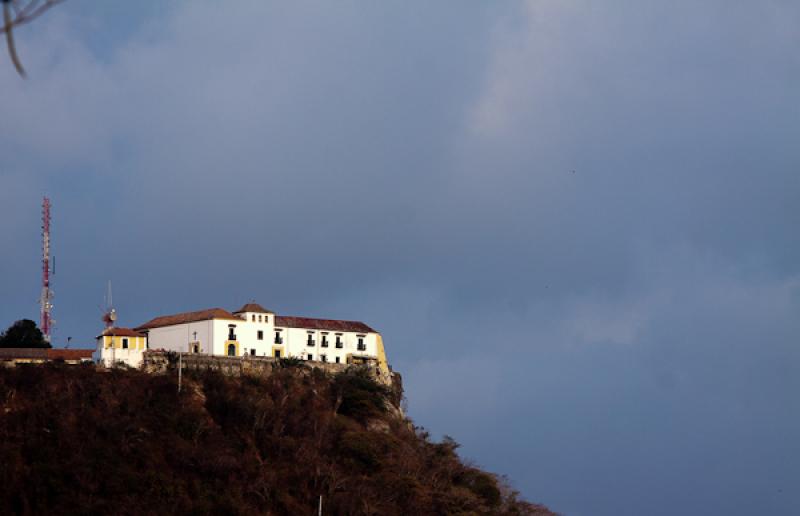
229	342
115	341
383	364
279	348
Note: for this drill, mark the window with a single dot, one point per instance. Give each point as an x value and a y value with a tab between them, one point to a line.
252	352
259	318
124	343
361	345
324	358
266	318
278	339
310	341
337	360
277	353
231	350
231	334
196	348
339	342
310	356
324	342
260	335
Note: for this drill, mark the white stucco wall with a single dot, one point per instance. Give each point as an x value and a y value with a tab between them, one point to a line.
109	356
248	336
246	332
296	342
178	337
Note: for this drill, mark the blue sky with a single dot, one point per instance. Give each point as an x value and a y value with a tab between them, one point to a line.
574	223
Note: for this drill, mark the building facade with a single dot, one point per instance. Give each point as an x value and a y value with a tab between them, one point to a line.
120	345
254	331
15	356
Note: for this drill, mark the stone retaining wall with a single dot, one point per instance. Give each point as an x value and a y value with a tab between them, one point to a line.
160	362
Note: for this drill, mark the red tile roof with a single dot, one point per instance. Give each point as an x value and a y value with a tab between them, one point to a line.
69	354
280	321
9	353
120	332
322	324
187	317
253	307
45	354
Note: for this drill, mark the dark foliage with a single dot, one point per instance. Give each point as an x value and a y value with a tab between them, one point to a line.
75	440
289	362
23	334
358	396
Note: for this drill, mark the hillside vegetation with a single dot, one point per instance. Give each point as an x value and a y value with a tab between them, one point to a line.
77	440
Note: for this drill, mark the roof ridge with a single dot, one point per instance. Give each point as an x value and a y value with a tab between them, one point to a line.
186	317
292	321
120	331
318	318
253	307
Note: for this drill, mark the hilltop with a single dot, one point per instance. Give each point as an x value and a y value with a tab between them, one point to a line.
81	440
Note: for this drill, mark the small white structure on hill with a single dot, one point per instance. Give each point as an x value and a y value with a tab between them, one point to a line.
120	345
254	331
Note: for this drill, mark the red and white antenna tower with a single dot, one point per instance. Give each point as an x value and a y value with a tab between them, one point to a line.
46	300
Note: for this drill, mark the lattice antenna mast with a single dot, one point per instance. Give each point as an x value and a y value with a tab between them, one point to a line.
46	300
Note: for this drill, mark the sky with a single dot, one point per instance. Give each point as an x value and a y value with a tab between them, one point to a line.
573	222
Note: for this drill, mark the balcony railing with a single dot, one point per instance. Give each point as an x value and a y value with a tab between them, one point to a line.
324	344
339	345
362	347
310	343
278	341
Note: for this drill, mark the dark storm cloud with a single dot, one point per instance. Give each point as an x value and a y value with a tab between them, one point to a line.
573	223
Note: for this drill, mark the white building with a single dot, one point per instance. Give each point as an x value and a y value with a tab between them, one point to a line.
255	331
120	345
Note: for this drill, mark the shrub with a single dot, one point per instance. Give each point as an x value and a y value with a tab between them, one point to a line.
172	358
288	362
482	484
359	396
361	449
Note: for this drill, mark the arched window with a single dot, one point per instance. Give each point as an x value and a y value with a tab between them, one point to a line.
231	350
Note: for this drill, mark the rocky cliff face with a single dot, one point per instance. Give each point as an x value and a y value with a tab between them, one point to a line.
75	439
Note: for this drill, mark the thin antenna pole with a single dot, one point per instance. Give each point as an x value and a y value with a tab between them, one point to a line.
180	368
47	294
110	315
320	505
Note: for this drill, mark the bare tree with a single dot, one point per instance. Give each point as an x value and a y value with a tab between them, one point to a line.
18	12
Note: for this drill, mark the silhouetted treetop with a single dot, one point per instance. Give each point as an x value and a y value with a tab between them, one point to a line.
23	334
